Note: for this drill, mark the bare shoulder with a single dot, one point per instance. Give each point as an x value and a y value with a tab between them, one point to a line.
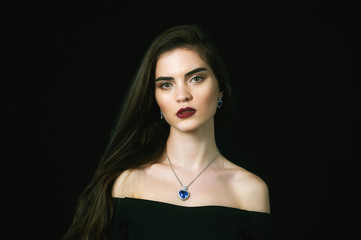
250	191
121	186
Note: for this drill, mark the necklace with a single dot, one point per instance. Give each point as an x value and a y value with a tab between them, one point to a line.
184	194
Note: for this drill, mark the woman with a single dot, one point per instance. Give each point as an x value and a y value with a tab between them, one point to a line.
162	175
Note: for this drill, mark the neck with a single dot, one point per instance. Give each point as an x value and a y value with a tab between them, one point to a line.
191	150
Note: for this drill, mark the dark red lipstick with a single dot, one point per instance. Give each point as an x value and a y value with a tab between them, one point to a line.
186	112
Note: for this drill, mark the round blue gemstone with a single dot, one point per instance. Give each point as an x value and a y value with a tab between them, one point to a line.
183	194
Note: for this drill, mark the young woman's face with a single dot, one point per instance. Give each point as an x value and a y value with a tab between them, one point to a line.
186	89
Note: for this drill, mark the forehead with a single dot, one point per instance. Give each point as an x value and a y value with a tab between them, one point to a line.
178	61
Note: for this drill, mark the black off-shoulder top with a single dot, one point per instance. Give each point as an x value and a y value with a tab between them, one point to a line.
137	219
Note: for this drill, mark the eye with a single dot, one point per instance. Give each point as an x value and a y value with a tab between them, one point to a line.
196	79
166	85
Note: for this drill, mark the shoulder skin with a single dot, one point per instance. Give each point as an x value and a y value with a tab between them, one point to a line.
251	191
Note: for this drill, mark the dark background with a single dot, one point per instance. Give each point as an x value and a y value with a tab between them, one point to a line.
295	123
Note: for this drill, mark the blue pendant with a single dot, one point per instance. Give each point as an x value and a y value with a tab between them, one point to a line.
184	194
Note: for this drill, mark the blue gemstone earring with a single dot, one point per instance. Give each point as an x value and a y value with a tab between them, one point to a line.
161	114
219	103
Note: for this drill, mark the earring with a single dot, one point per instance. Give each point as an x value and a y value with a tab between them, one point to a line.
219	103
161	114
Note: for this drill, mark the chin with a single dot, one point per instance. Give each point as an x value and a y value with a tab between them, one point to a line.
188	126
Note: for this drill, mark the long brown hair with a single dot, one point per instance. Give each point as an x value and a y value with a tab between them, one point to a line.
139	135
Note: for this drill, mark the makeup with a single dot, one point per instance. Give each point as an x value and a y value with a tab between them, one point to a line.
186	112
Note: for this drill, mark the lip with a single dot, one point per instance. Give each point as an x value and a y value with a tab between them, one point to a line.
186	112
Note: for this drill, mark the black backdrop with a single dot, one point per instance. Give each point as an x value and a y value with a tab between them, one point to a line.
294	122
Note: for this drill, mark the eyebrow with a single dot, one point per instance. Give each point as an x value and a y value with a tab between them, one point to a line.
200	69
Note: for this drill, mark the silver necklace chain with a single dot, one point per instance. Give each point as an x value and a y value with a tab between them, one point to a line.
186	186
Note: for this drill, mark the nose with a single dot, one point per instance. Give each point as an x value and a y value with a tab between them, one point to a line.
183	94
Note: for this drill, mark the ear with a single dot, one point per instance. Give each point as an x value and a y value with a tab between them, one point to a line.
220	94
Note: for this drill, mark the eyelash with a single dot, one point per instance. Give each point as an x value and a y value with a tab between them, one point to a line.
197	77
163	85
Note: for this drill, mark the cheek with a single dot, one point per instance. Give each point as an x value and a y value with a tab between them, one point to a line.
162	101
208	101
